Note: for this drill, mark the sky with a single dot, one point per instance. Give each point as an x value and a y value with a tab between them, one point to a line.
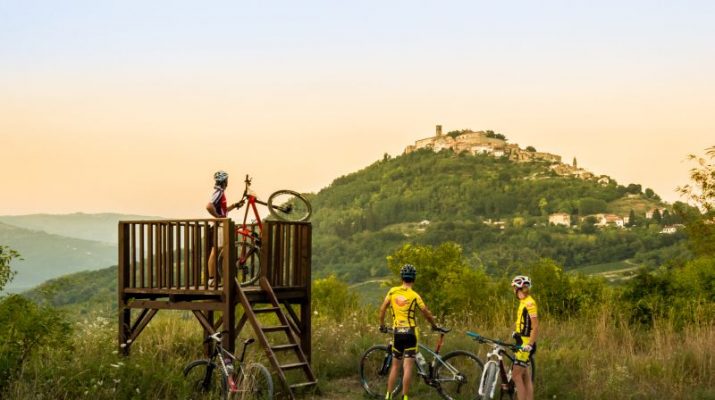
130	106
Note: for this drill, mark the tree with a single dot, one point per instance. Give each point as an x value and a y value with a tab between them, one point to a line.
588	226
649	193
589	205
531	149
634	189
6	274
632	218
333	297
438	268
700	222
575	163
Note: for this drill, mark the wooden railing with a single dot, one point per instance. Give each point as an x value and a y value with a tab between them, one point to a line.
171	256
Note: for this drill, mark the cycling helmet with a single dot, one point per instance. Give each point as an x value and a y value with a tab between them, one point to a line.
521	281
220	176
408	273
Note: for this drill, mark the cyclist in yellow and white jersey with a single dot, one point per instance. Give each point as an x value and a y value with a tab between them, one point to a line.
404	303
525	333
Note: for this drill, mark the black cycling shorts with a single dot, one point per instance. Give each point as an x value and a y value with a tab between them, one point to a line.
405	343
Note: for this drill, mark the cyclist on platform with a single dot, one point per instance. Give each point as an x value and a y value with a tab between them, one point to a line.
218	208
526	330
404	302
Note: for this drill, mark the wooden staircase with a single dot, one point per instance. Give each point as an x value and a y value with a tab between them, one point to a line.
286	326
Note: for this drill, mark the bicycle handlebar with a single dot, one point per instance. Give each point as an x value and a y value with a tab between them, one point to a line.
439	329
481	339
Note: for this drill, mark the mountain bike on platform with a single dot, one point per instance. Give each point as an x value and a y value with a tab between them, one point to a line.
283	205
226	376
455	376
496	375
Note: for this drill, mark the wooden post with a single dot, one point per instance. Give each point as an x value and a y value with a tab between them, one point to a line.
229	284
305	314
122	281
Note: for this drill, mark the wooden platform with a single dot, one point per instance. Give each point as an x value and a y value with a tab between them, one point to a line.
163	265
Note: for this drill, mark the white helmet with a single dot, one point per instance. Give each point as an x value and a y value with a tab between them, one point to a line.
521	281
220	176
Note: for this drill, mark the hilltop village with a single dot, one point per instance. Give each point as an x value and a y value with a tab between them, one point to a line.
495	144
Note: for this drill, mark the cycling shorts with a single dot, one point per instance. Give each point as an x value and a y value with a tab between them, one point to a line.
404	343
523	358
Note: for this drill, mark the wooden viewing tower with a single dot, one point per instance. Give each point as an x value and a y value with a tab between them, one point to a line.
163	265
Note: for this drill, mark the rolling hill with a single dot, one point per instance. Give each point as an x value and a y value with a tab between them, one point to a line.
95	227
46	256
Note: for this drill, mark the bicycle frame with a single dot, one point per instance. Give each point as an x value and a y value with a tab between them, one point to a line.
427	376
496	356
221	353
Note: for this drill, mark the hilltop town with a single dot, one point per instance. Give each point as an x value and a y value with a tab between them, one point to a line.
495	144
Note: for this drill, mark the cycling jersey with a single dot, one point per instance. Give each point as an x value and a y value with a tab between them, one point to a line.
219	201
526	310
404	302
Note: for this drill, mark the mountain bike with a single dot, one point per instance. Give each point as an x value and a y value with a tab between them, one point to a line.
283	205
225	376
454	376
496	375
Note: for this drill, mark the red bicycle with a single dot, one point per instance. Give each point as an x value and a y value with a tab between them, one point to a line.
283	205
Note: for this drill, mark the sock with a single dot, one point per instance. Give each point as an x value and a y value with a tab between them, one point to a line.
388	396
404	397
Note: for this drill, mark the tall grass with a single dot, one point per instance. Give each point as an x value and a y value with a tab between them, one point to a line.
595	356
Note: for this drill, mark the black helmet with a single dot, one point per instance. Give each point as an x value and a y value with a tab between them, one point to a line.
408	273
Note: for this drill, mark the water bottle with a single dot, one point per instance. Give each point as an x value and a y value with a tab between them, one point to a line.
421	362
229	365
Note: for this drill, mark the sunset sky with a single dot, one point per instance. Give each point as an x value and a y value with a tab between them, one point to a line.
130	106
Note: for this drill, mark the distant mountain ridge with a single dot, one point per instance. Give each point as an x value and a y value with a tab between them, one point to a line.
100	227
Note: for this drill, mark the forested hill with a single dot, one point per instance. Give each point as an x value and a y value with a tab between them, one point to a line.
495	208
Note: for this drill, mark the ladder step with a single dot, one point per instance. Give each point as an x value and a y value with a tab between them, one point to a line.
294	366
283	347
275	328
266	310
303	385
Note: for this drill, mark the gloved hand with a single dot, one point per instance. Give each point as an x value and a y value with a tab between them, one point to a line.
383	329
527	348
239	204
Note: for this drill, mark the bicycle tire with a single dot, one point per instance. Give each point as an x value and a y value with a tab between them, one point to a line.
466	385
374	375
256	383
254	272
489	380
204	378
300	206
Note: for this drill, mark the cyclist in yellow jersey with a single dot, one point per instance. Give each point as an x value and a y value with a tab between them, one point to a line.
525	333
404	303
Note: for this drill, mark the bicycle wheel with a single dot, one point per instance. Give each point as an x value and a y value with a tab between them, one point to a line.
374	371
287	205
458	375
248	272
488	383
255	384
204	378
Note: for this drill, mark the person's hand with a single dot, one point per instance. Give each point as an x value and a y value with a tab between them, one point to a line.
527	348
239	204
383	329
441	329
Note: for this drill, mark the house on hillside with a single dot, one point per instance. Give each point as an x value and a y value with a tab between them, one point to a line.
603	220
671	229
560	219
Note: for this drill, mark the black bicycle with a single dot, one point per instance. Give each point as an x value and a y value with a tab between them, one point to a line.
232	379
454	376
496	375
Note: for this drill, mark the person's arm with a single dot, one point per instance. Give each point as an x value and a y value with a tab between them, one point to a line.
428	314
212	210
534	329
383	309
234	206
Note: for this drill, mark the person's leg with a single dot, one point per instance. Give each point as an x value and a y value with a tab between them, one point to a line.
212	264
518	374
407	367
392	379
528	384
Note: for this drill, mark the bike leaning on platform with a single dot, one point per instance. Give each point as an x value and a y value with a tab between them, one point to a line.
496	375
283	205
227	377
455	376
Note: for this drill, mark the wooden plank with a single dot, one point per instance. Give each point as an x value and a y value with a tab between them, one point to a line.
204	255
132	257
142	262
141	324
177	305
187	262
306	315
151	255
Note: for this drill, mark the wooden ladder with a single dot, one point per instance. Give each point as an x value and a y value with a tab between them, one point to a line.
285	326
